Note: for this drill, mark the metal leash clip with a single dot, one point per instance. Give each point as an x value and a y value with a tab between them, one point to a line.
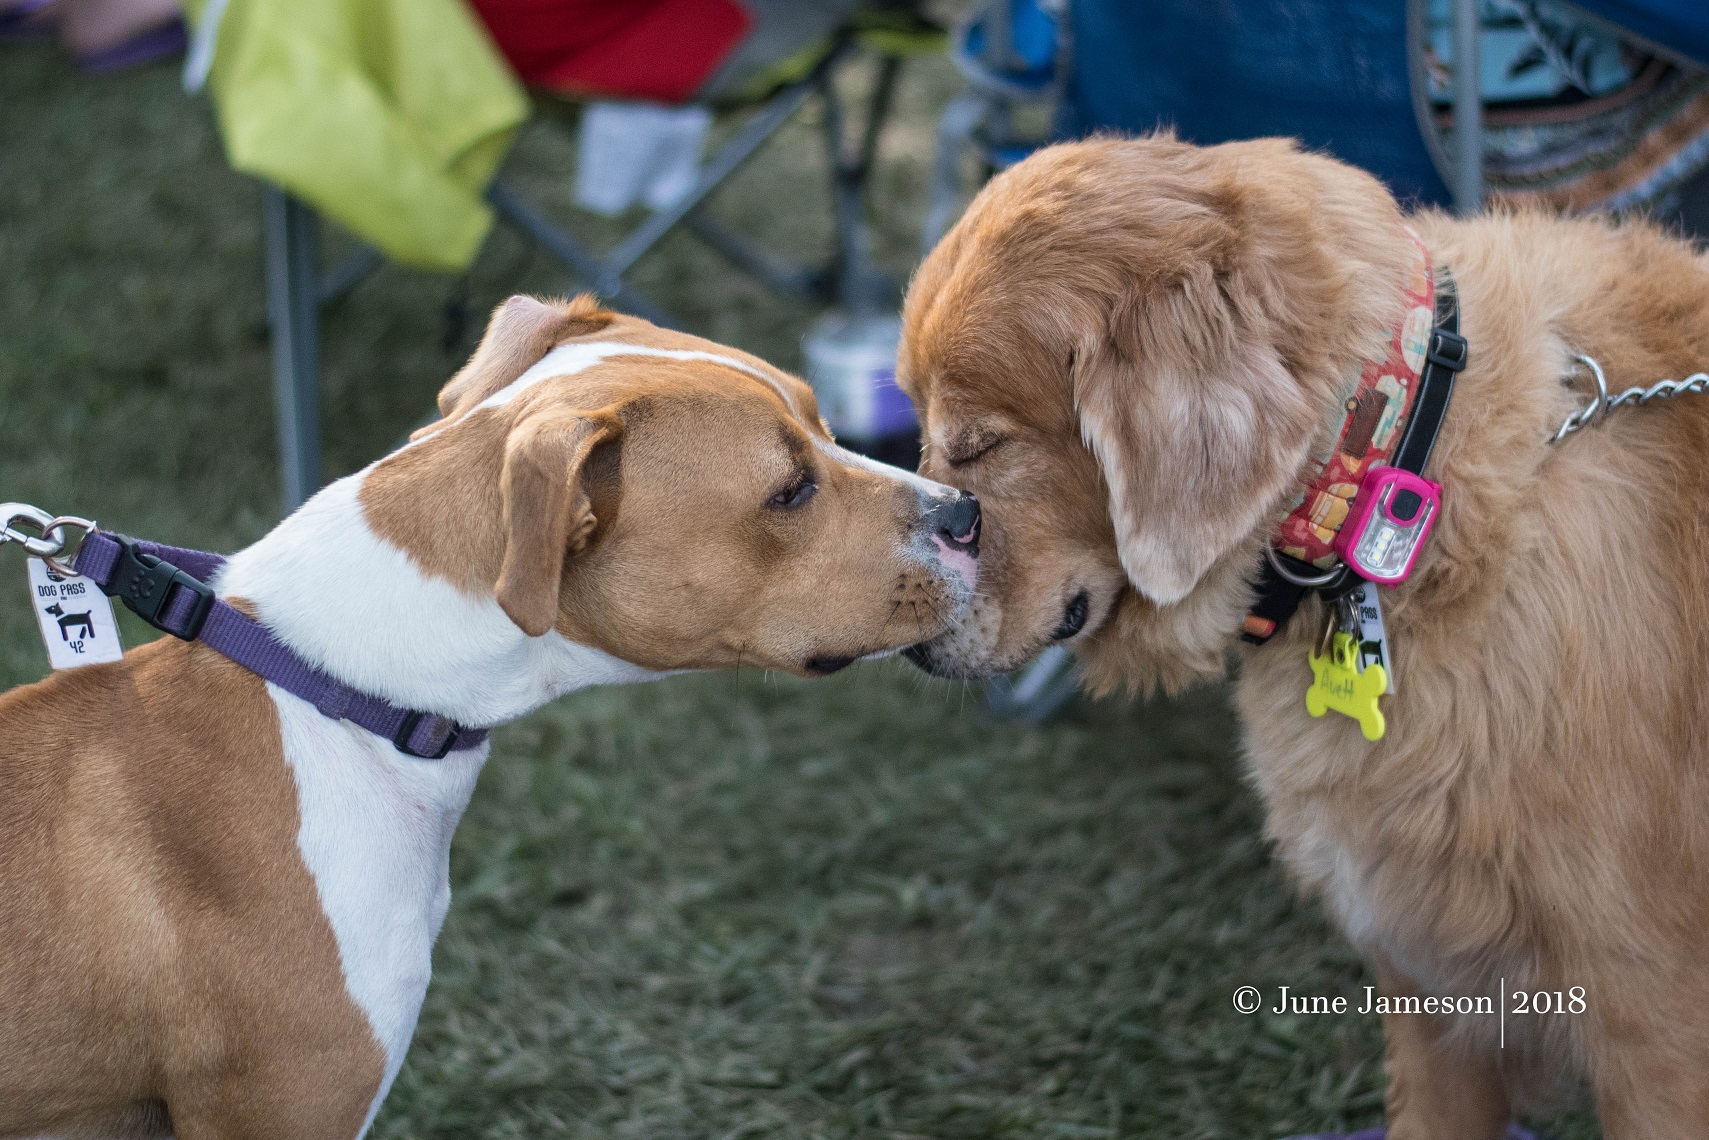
1331	626
49	543
1339	616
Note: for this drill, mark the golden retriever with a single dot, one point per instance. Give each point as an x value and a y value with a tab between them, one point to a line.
1131	349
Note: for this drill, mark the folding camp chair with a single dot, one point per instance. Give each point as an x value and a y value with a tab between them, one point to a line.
1351	84
1420	94
297	291
851	269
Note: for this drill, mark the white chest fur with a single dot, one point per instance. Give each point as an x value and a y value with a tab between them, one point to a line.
375	824
375	833
353	604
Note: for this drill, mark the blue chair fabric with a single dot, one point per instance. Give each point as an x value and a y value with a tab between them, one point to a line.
1332	73
1680	26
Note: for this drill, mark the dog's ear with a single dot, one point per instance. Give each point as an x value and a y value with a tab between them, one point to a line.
1197	426
522	330
548	515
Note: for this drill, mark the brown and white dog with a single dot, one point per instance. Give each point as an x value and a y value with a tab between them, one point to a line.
1131	349
217	906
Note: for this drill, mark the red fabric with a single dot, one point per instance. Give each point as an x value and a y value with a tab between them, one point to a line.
661	50
1378	406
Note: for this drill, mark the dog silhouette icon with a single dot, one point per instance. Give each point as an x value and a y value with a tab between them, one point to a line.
69	622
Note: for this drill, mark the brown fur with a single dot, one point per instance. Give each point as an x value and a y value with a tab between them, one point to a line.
164	942
1156	334
167	963
548	515
575	501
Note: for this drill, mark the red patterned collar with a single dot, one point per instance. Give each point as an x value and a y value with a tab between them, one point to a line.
1378	402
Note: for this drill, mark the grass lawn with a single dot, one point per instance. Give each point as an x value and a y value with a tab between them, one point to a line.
718	906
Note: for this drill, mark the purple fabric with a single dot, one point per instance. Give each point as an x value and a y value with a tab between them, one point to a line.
1514	1132
250	644
157	43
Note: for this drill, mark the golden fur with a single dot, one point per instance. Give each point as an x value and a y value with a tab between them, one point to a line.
1129	348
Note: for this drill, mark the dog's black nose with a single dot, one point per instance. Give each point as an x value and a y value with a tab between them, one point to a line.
956	521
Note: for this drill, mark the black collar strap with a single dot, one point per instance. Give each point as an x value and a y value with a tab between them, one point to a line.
1277	597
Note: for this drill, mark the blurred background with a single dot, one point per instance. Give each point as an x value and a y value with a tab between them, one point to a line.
244	245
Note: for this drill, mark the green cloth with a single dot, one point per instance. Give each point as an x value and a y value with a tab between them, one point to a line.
389	116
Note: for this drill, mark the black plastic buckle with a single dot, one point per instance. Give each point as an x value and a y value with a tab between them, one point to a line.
1447	349
144	584
412	721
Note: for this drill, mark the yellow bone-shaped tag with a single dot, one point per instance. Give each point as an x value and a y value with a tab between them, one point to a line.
1337	684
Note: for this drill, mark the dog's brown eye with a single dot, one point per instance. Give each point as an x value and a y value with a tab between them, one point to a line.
795	495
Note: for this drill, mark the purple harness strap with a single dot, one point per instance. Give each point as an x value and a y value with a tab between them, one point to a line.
167	587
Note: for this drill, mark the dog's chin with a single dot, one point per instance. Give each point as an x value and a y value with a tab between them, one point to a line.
959	656
943	658
970	651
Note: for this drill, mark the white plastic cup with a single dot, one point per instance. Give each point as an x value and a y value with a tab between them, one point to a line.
851	365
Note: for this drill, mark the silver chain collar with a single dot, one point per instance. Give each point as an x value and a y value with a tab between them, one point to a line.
1697	382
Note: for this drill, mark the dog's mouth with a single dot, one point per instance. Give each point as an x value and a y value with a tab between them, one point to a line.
824	664
922	657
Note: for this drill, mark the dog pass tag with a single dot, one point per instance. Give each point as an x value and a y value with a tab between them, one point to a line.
76	618
1372	637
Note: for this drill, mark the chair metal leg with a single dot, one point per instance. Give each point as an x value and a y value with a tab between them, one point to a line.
580	261
857	283
1037	691
293	315
810	284
605	274
1468	110
851	278
964	115
730	156
348	273
877	112
860	285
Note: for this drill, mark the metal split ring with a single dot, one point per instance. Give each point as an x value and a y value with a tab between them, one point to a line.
57	526
50	542
1308	581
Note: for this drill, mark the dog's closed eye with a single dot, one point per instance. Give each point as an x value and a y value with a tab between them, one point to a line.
966	446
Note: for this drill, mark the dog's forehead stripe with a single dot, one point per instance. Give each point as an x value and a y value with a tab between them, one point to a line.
567	359
920	483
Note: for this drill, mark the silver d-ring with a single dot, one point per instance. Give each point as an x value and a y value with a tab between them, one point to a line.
1601	382
56	527
1592	411
1322	579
